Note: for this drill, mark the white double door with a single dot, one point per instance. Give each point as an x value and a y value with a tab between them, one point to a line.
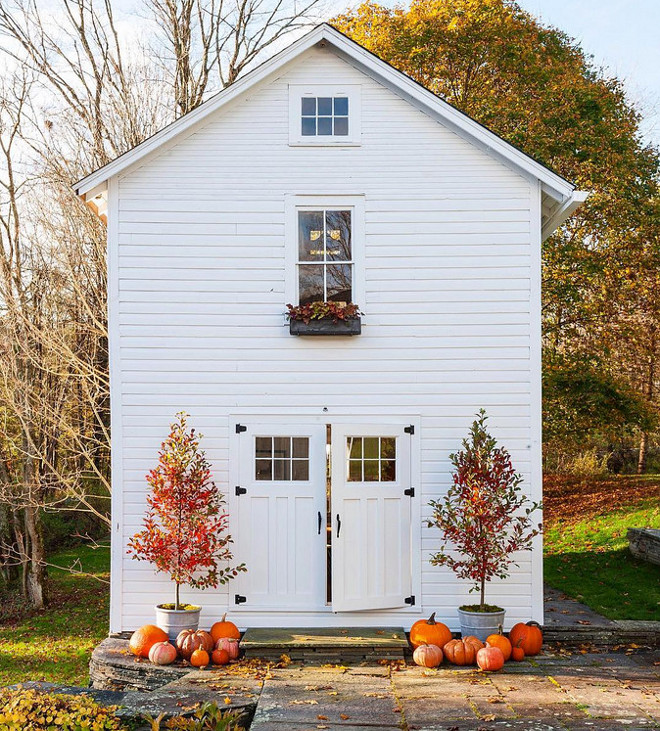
318	533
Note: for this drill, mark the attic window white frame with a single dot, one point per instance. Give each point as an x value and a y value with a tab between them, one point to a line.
351	92
296	203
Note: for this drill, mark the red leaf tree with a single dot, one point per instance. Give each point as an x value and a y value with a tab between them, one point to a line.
185	526
484	517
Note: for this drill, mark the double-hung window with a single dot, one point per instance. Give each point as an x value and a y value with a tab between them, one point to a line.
325	249
325	255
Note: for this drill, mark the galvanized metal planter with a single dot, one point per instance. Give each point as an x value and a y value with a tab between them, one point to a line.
326	327
174	621
480	624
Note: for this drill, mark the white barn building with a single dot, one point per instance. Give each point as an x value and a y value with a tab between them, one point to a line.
325	174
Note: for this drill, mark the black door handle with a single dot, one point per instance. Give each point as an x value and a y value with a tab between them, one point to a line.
338	525
319	533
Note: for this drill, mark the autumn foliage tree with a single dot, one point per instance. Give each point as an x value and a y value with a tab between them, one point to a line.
484	517
185	527
536	87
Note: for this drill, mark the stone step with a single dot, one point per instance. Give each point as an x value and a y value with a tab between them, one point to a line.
321	645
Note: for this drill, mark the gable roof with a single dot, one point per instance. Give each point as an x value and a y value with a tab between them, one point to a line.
560	197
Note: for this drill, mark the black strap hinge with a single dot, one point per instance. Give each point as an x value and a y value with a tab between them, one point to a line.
410	492
238	599
410	600
240	428
409	429
240	490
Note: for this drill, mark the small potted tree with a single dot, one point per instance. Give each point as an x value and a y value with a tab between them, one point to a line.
484	518
185	526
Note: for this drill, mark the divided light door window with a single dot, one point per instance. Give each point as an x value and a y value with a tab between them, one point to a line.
325	255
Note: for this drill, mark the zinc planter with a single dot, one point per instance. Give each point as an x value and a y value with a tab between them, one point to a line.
480	624
326	327
174	621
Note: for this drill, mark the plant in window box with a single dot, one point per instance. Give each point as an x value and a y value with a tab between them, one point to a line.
324	318
185	526
485	518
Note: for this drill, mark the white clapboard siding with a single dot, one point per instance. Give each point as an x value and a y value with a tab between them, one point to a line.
451	313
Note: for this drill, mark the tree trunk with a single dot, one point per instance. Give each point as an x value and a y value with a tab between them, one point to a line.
36	572
643	452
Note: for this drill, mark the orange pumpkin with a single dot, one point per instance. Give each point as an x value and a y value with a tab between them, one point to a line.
143	639
220	657
501	641
200	658
517	654
223	628
528	636
229	645
162	653
190	640
463	652
490	658
429	632
428	656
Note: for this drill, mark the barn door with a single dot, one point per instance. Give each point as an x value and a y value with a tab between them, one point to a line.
281	513
371	515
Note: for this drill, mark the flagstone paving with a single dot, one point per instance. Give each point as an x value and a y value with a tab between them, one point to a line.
553	692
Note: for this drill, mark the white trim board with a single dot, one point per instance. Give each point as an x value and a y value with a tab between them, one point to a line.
325	35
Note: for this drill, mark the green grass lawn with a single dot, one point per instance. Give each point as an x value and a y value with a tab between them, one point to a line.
587	557
55	645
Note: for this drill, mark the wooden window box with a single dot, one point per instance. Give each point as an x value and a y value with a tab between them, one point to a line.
326	327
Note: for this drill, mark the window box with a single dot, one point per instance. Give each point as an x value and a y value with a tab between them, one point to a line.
326	326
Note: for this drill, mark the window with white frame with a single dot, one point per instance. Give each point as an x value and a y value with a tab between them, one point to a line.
324	115
325	255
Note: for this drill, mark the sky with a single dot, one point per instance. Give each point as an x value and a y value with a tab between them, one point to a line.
623	36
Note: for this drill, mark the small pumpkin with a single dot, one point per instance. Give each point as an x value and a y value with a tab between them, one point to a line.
162	653
223	628
428	656
501	641
517	653
143	639
229	645
528	636
190	640
220	657
490	658
200	658
429	632
463	651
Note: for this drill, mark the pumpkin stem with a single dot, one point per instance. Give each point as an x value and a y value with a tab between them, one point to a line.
532	623
431	619
224	616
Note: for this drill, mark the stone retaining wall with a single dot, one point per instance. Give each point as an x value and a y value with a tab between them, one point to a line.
645	544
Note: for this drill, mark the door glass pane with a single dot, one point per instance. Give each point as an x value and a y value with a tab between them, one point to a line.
355	470
371	470
282	469
282	447
300	469
354	447
388	470
264	447
300	447
371	447
264	469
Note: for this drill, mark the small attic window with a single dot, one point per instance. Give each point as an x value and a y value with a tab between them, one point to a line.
324	115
